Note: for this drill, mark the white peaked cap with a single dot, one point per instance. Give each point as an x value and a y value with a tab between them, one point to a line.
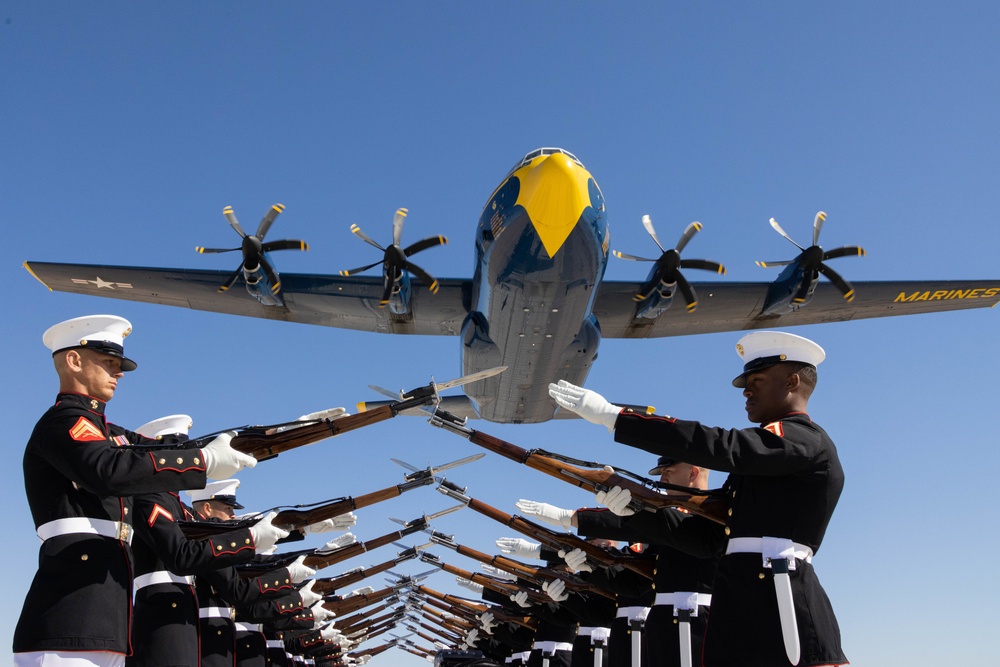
103	333
170	425
761	349
224	489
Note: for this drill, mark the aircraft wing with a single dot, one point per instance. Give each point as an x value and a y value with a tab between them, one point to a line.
737	306
333	301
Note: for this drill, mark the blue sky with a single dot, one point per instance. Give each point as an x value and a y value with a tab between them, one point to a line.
127	129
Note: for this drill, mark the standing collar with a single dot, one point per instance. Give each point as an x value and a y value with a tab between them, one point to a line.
82	400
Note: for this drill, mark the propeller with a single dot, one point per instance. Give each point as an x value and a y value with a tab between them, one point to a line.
395	258
253	247
669	265
812	261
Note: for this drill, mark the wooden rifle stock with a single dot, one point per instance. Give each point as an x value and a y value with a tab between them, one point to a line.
360	601
318	561
501	586
710	506
552	539
331	584
478	608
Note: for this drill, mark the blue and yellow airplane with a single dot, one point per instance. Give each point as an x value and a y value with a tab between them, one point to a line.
537	303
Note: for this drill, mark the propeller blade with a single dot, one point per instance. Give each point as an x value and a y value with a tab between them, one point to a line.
233	222
803	291
209	251
424	244
386	292
432	283
845	287
351	272
265	222
704	264
232	279
646	290
633	258
648	224
397	225
364	237
286	244
272	277
688	234
818	225
846	251
689	297
769	264
777	228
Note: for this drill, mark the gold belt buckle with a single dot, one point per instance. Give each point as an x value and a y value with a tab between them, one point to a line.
124	531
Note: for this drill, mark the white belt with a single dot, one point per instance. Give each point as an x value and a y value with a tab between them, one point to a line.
80	524
597	633
216	612
633	613
551	647
684	600
275	643
247	627
161	577
770	548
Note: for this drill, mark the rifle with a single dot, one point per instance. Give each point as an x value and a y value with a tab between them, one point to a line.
550	538
434	640
350	621
318	559
502	586
332	584
341	606
536	575
645	497
267	442
445	636
474	608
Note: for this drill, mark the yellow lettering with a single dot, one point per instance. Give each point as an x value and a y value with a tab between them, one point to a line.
974	294
991	292
923	297
937	296
902	297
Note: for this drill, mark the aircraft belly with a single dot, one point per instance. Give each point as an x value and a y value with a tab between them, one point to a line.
537	309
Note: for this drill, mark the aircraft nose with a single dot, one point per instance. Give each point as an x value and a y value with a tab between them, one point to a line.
554	192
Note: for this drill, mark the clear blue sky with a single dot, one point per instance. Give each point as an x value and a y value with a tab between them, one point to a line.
127	128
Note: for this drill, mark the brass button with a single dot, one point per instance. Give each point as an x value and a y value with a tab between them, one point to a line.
162	461
232	544
173	605
727	530
265	585
218	632
84	557
196	461
125	511
729	511
219	548
760	576
675	621
179	460
247	541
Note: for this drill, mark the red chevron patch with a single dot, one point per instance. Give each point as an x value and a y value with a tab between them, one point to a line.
775	428
157	513
85	431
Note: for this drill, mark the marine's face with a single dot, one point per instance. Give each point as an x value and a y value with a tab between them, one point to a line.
767	394
219	510
99	374
678	474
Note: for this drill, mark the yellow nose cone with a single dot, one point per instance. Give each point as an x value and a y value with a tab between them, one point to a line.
554	192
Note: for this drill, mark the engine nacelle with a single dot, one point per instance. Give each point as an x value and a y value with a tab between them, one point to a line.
261	288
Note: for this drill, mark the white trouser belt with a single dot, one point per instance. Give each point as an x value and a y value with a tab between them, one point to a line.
770	548
161	577
552	647
684	600
276	643
633	613
246	627
117	530
216	612
596	634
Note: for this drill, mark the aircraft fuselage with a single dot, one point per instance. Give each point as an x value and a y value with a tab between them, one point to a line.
541	252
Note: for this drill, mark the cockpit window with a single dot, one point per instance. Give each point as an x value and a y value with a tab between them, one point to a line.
538	152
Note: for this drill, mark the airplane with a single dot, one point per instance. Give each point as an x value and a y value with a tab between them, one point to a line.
537	302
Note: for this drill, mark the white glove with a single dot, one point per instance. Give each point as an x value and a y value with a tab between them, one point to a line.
616	499
515	546
471	636
321	614
364	590
221	460
363	659
521	598
486	622
309	598
329	633
338	542
576	560
342	522
550	514
299	571
472	586
265	534
498	573
588	404
556	589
